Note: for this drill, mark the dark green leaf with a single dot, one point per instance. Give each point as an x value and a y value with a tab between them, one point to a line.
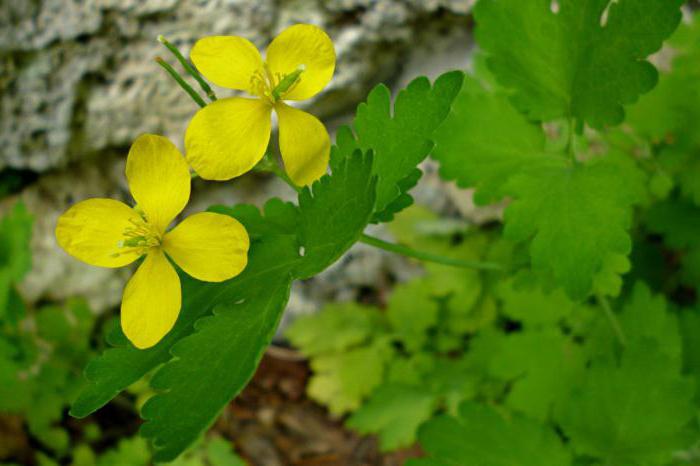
584	61
480	436
334	212
484	141
633	413
212	365
577	217
401	139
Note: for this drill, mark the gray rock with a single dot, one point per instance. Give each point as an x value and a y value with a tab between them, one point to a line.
78	83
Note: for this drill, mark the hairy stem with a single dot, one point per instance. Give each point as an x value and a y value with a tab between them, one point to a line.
176	76
189	68
427	256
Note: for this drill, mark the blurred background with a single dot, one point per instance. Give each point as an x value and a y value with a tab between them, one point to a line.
376	342
78	83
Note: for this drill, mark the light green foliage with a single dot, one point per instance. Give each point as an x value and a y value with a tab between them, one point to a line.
392	391
534	307
343	379
134	451
349	323
481	436
129	452
419	228
631	413
396	411
585	61
412	311
400	137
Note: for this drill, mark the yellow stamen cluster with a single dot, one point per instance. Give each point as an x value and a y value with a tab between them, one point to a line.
139	238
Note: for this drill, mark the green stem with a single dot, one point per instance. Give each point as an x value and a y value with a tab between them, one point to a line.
176	76
614	323
397	248
188	67
268	165
427	256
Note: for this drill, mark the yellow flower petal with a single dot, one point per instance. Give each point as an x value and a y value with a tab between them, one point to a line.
306	46
159	179
208	246
227	61
228	137
151	301
91	231
304	144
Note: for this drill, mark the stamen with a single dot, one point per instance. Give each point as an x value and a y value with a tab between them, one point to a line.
138	239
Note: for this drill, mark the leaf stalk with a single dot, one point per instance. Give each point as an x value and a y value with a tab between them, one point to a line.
428	256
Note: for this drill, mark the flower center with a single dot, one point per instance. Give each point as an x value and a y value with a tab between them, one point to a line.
139	238
274	86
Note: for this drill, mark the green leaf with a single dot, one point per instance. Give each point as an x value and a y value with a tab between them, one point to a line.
394	412
118	368
645	317
533	307
484	141
633	413
220	453
129	452
343	380
667	116
679	223
15	258
585	61
401	139
15	236
480	436
541	366
350	324
334	212
577	217
412	311
211	366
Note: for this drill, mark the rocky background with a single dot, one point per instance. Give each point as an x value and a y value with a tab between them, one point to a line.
78	83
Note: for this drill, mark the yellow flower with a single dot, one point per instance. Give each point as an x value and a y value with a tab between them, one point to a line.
108	233
228	137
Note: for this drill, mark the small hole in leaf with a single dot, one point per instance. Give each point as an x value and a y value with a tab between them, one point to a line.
554	6
302	251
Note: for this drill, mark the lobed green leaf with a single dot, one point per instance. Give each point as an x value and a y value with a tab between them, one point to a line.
582	59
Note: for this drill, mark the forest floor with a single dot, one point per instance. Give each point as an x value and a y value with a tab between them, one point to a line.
273	423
